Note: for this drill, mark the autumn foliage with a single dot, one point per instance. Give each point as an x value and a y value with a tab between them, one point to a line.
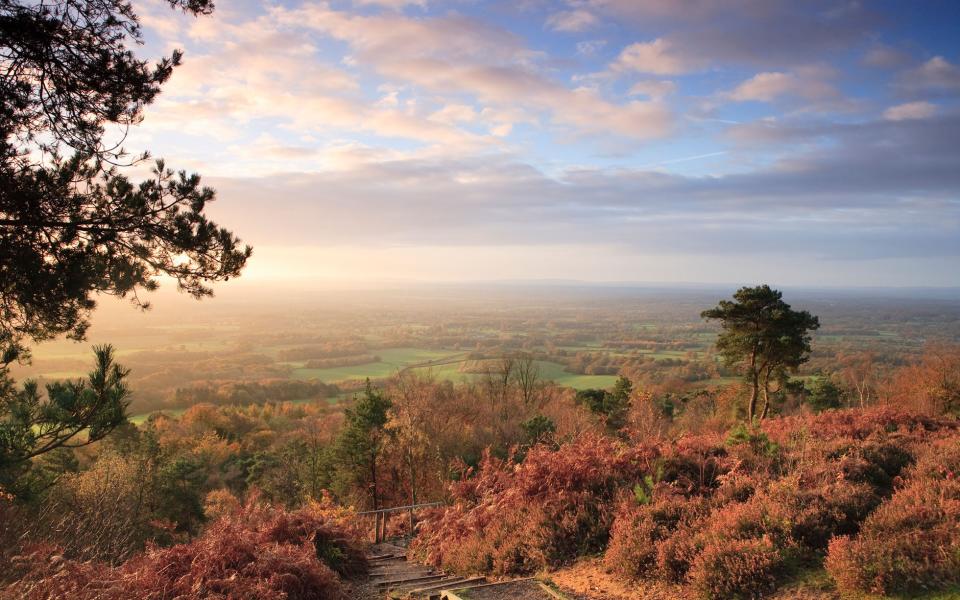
875	494
511	517
257	551
912	541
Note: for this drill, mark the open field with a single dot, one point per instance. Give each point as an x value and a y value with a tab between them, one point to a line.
547	371
392	361
653	338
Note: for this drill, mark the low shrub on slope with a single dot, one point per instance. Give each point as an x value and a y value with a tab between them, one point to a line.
726	516
255	552
912	542
512	518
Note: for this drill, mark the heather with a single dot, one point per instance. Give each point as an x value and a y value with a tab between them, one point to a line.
254	551
871	494
912	541
511	517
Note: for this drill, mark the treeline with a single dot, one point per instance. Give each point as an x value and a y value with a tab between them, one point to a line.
335	349
343	361
255	392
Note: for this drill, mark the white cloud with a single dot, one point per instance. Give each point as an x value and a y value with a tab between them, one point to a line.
572	20
884	57
935	75
392	4
457	55
653	89
910	110
658	57
590	47
455	113
809	86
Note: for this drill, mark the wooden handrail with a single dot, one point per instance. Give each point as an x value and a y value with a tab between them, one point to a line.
380	521
400	508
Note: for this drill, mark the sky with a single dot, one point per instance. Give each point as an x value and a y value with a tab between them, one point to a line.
716	141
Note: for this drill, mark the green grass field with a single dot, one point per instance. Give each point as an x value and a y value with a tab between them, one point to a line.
549	371
141	418
392	360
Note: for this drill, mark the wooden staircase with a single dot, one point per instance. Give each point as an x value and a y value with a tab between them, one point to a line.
396	578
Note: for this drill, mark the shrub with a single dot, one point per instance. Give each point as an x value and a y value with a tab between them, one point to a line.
256	552
736	569
910	542
638	528
676	553
694	465
516	518
835	508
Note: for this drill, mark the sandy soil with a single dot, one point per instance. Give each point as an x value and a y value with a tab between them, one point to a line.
588	580
521	590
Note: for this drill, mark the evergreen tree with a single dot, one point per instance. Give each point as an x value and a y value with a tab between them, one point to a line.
361	443
73	414
764	336
72	226
612	405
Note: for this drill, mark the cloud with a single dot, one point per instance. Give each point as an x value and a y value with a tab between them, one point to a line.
572	21
653	89
885	57
457	55
807	87
455	113
658	57
937	76
766	87
700	33
590	47
392	4
910	110
880	188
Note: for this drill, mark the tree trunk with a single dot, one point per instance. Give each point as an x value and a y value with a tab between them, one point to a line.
766	395
373	482
413	492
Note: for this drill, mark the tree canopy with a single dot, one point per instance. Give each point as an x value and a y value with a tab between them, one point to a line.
764	336
72	224
362	440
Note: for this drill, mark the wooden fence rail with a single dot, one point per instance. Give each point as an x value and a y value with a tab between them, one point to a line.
380	517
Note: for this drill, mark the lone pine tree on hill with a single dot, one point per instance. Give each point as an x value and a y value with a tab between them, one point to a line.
72	226
764	336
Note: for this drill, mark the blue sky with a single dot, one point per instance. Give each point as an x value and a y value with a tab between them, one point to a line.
805	143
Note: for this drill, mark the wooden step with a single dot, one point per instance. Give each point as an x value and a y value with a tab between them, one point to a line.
410	580
382	557
409	587
444	585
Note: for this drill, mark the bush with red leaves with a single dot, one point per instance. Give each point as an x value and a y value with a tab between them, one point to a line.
726	515
556	505
736	568
258	552
912	541
638	529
